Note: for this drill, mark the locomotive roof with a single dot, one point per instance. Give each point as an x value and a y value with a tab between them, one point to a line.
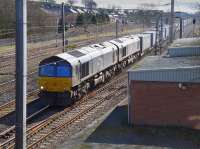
76	53
131	37
69	58
123	41
86	53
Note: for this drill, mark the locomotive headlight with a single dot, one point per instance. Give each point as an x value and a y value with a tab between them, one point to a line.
41	87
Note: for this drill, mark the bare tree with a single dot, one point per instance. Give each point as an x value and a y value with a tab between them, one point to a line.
71	2
118	7
36	17
109	6
89	4
84	2
113	7
92	5
145	14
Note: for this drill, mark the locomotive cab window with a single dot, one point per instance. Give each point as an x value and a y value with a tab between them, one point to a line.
47	70
64	71
124	52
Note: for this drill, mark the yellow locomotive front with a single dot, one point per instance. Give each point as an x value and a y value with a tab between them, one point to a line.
55	81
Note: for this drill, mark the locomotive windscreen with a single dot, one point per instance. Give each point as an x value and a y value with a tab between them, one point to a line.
56	70
47	70
64	71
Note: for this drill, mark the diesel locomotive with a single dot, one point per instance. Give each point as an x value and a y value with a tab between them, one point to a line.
66	77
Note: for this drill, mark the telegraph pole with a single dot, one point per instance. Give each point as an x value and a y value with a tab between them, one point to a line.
157	36
97	30
181	27
57	20
21	73
63	25
172	22
116	28
161	26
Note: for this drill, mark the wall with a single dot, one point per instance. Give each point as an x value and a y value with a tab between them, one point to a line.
158	103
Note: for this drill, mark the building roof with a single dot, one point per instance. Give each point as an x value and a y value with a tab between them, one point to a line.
157	62
185	47
186	42
174	69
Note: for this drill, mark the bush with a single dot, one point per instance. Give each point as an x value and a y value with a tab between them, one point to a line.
89	18
80	19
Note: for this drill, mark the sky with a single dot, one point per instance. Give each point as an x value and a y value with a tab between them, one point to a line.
180	5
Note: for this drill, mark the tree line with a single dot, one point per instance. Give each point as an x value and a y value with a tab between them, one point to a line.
89	18
36	18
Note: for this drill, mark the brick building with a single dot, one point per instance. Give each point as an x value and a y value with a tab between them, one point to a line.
165	90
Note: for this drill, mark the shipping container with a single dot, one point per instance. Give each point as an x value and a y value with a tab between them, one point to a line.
153	37
145	42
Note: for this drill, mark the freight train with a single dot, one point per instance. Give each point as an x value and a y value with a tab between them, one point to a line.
66	77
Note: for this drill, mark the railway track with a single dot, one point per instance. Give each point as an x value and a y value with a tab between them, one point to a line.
39	132
10	132
9	67
10	106
10	85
